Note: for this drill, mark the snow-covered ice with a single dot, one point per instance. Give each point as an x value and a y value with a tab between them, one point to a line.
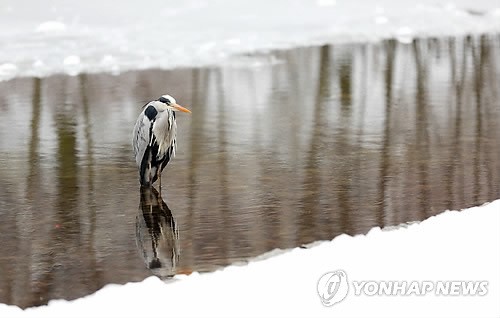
452	246
168	34
51	26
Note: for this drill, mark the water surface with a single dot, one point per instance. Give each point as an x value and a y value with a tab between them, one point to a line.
282	149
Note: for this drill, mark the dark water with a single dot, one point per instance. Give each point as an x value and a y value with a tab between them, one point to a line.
281	149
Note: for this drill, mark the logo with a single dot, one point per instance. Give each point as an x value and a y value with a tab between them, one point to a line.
333	287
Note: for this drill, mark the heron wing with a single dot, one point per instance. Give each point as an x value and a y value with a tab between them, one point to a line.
141	137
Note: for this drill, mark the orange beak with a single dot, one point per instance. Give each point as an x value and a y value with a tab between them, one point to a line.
180	108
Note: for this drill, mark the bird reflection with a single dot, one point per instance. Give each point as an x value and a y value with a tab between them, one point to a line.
157	235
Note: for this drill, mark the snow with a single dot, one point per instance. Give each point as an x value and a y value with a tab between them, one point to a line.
8	71
452	246
168	34
51	26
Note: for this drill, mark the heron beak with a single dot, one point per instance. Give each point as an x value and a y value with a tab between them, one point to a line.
180	108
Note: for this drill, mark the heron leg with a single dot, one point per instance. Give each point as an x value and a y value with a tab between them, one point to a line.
159	177
150	178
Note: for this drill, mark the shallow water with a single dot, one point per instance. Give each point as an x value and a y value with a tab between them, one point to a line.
282	149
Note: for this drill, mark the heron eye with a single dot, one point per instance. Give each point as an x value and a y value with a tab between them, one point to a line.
164	100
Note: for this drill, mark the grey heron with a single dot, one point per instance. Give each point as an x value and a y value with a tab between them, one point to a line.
154	138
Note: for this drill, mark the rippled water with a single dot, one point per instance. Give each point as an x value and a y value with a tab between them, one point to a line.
281	150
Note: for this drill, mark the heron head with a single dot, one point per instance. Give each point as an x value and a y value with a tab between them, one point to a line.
168	102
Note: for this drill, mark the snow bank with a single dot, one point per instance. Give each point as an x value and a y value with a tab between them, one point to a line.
452	246
38	38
